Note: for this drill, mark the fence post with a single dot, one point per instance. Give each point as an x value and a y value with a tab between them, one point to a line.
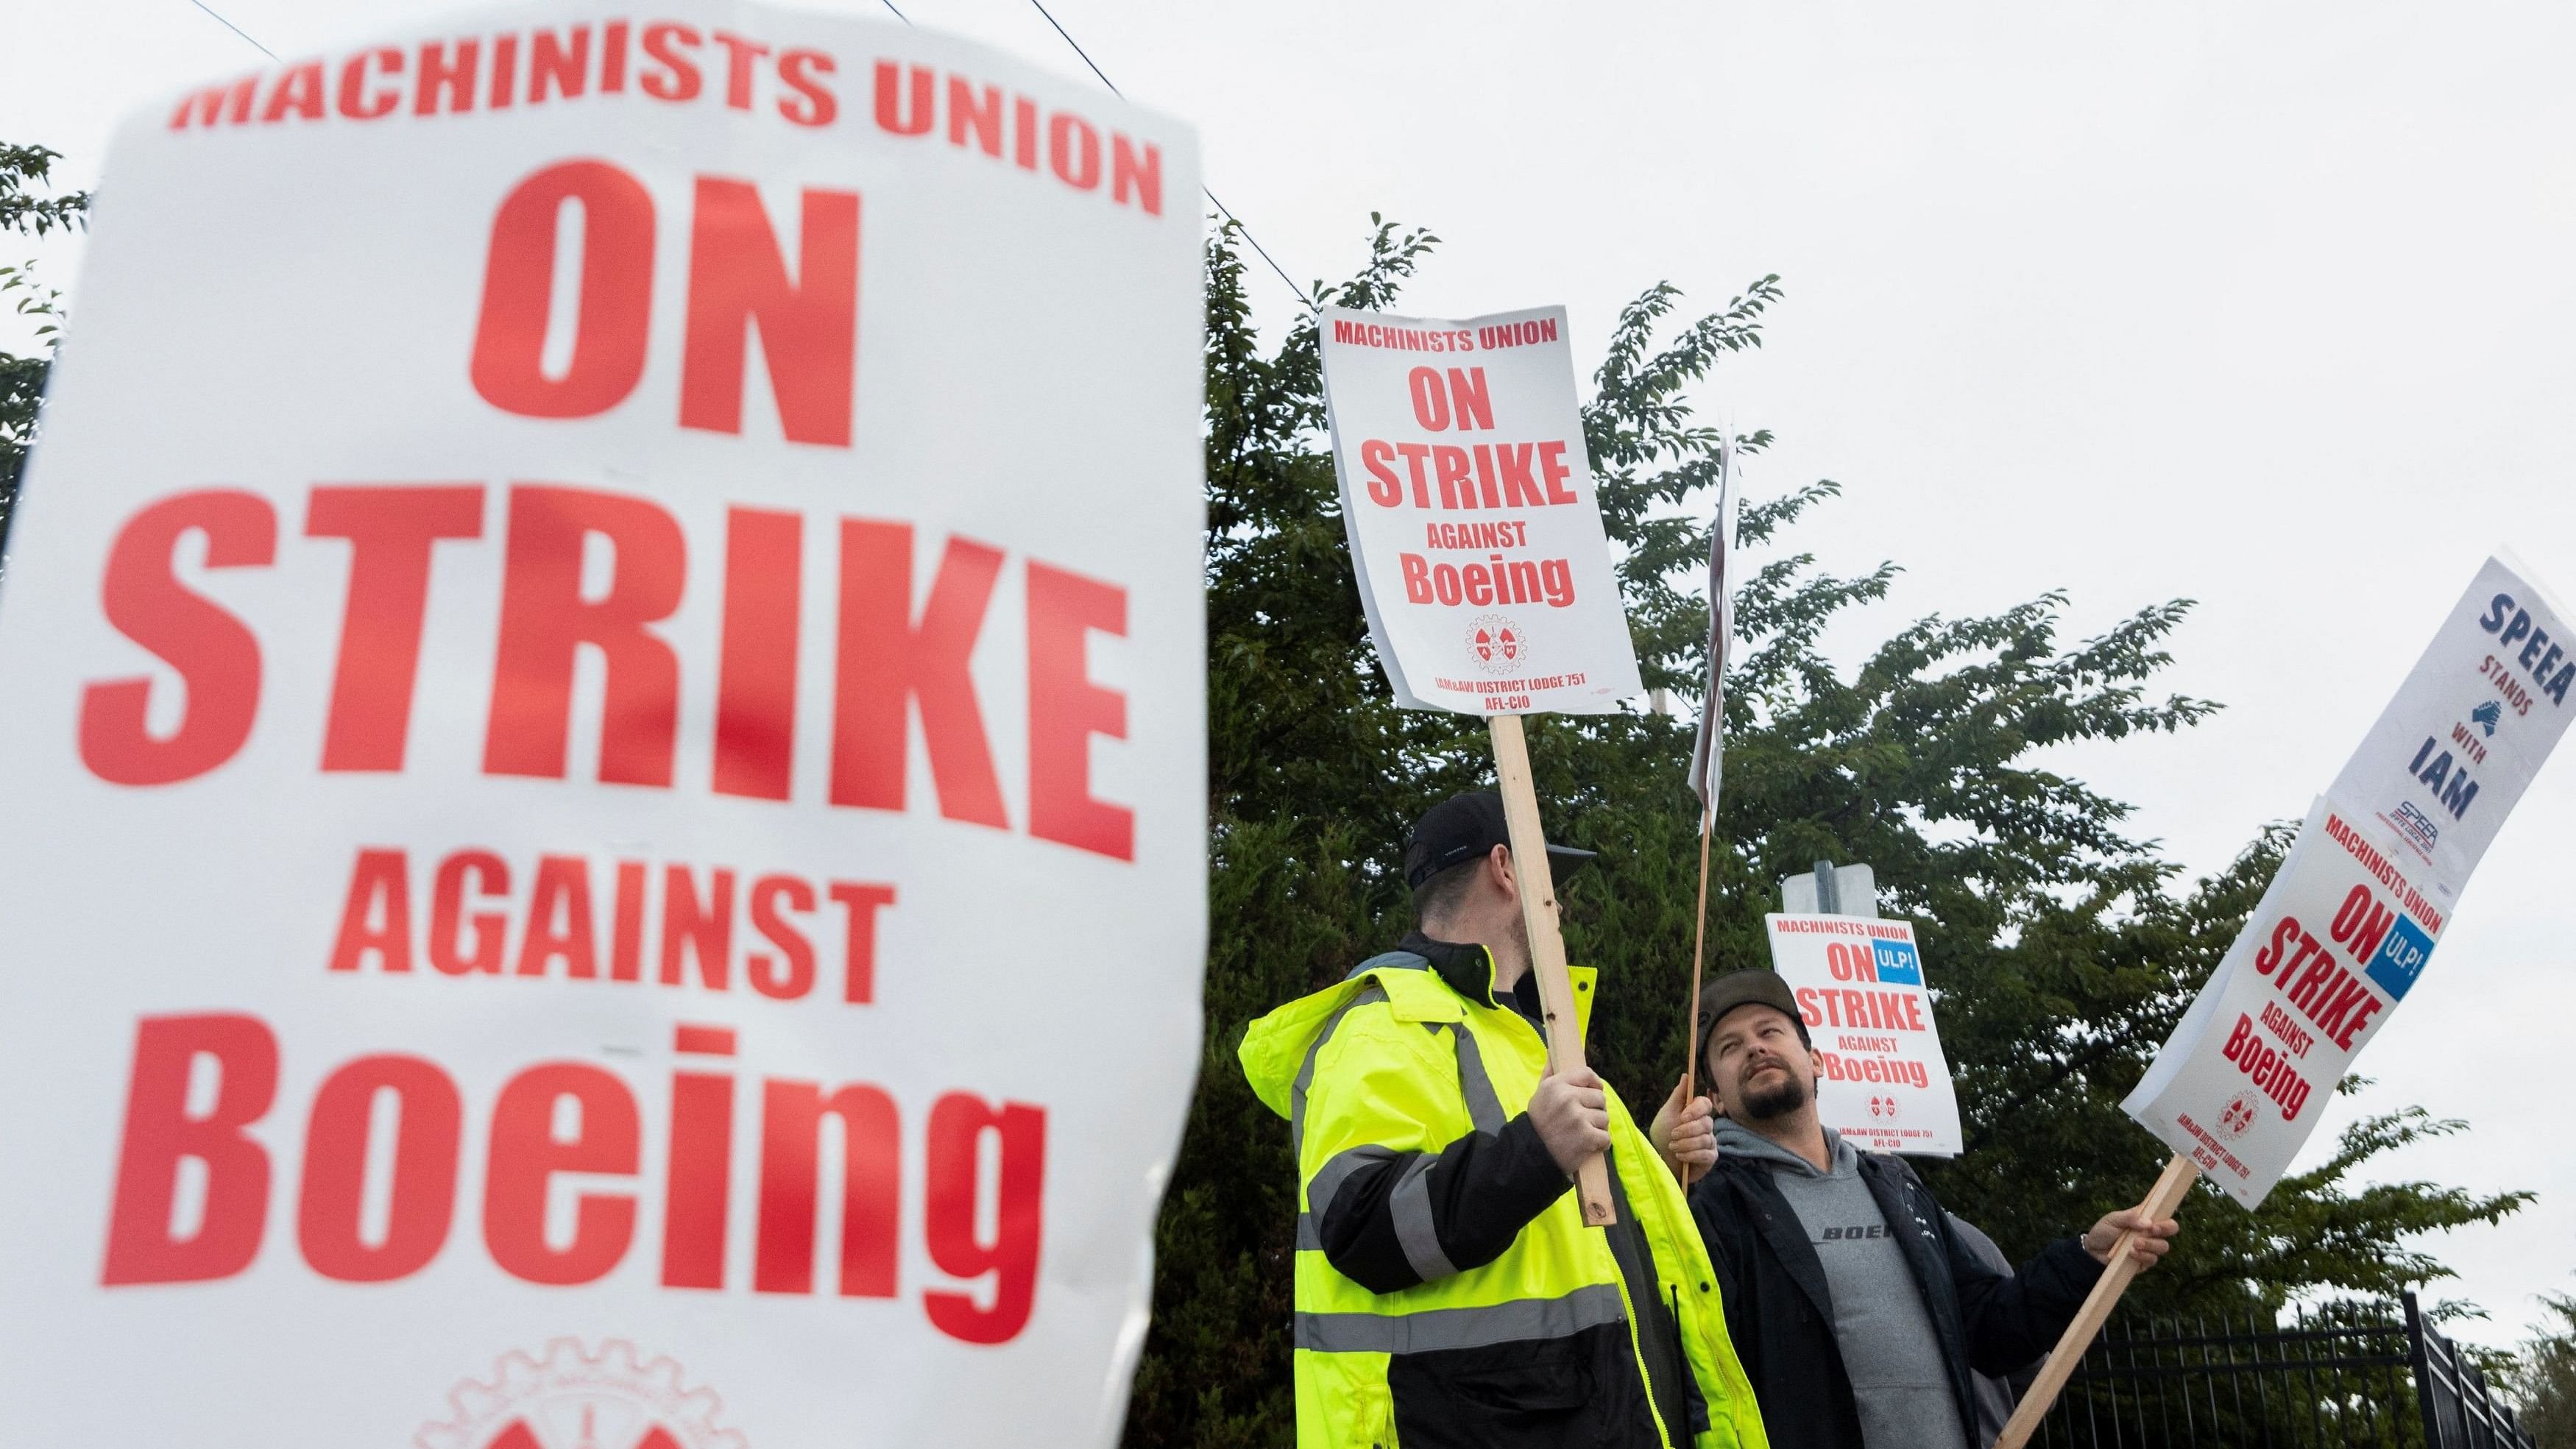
2419	1357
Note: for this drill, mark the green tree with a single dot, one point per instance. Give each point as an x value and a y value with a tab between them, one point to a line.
2541	1377
22	379
2063	949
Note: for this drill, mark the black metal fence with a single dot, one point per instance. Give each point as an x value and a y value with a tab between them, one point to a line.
2350	1375
2459	1412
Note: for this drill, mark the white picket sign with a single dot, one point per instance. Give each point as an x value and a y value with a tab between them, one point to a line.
1468	497
491	959
2349	922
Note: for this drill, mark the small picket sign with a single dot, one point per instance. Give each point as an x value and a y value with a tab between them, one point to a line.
1467	496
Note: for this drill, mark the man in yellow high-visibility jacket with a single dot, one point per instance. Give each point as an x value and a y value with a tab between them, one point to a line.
1448	1291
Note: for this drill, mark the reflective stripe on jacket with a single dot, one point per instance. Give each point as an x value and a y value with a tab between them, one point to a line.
1484	1320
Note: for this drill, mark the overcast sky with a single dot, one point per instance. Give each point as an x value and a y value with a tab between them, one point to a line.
2266	307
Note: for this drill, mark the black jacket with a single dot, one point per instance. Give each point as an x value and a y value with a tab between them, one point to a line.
1780	1315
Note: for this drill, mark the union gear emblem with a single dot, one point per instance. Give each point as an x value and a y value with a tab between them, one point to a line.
1498	643
2236	1116
574	1399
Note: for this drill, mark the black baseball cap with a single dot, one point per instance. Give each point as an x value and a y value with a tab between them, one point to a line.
1466	827
1754	986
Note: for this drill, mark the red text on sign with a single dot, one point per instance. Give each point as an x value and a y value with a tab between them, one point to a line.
739	281
1487	475
1868	1010
893	661
474	915
2269	1070
1495	581
1891	1071
660	59
571	1117
2339	1002
1462	396
912	99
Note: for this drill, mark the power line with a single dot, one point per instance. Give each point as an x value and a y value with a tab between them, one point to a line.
237	30
1256	245
1221	207
1078	50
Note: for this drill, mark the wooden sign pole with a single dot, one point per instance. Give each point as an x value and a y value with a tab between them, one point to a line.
2162	1199
1699	954
1546	942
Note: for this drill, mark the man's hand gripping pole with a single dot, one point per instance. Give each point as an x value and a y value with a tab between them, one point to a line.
2162	1199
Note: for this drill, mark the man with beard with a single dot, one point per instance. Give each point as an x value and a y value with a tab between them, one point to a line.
1856	1310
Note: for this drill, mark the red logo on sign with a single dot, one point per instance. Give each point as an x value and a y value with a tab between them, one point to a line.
1883	1108
573	1399
2236	1116
1497	642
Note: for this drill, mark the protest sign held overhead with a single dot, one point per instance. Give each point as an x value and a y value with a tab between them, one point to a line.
2348	925
2450	756
1482	563
1881	1078
1467	494
480	912
2338	939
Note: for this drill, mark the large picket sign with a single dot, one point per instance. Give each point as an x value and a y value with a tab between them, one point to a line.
1883	1081
489	958
2350	921
1474	528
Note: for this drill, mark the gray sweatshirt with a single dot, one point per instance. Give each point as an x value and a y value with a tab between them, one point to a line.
1899	1382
